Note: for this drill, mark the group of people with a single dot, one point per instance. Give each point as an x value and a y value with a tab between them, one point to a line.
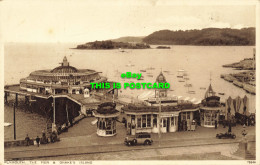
43	140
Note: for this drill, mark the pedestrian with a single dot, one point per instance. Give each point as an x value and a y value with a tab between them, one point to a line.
216	124
27	139
229	128
38	141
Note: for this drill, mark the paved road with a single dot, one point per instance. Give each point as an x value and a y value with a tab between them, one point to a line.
35	152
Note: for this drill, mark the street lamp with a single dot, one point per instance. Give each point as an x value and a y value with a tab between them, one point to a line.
159	119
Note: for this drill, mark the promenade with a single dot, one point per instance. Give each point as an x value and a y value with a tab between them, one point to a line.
82	139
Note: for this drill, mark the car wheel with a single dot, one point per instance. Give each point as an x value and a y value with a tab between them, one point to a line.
146	142
135	141
234	136
129	143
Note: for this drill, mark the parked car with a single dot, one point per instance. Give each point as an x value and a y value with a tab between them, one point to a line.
139	138
227	135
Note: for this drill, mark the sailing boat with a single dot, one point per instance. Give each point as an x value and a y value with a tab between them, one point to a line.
130	64
191	92
180	73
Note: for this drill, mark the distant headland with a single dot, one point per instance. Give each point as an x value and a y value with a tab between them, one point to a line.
112	45
203	37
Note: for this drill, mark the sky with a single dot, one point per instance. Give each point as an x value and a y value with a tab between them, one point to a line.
84	21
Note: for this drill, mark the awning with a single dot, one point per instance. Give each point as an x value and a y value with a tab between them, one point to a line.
170	114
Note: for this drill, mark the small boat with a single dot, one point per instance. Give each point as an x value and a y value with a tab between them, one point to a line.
191	92
142	78
129	65
166	71
150	68
181	81
142	70
181	73
221	93
7	124
188	85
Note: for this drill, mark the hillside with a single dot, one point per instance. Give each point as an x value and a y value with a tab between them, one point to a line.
209	36
129	39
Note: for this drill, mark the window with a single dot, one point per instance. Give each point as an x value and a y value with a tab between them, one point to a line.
143	121
172	121
184	116
188	115
148	120
155	120
139	122
108	125
164	122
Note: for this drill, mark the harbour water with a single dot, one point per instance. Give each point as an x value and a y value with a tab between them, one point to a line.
199	61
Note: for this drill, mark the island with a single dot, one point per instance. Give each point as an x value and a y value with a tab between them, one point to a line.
163	47
108	44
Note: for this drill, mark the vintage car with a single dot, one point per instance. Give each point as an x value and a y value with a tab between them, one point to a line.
227	135
139	138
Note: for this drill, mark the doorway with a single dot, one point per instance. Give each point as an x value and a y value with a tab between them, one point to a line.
168	125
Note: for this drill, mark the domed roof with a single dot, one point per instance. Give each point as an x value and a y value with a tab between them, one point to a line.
107	108
161	78
65	67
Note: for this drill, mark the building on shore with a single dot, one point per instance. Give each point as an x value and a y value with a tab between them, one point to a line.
160	113
63	95
210	109
106	116
62	79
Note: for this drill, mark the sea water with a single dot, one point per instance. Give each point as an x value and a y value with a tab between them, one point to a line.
203	64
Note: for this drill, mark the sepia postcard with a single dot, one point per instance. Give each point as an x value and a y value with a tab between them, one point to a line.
112	82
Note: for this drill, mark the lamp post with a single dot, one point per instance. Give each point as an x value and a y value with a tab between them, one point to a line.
14	123
159	119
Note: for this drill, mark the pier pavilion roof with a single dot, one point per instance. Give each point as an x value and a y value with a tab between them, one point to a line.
139	108
65	71
161	78
107	109
210	92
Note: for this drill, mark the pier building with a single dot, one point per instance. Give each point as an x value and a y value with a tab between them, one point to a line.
63	94
106	116
62	79
159	113
210	108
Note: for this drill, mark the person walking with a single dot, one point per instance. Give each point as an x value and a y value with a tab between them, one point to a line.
229	128
216	124
27	139
38	141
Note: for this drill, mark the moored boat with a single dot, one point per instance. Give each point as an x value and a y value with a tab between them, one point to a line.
249	88
238	83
